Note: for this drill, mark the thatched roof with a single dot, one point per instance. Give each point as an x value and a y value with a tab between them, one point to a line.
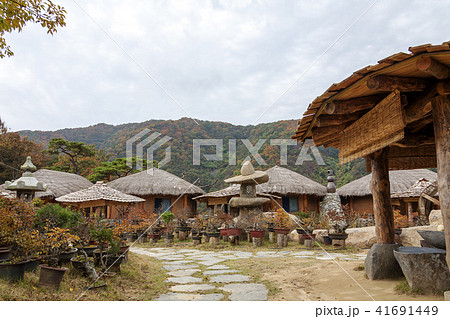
99	191
400	181
230	191
58	183
155	181
414	190
283	181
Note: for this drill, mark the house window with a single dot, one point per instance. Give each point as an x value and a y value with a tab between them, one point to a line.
162	205
290	204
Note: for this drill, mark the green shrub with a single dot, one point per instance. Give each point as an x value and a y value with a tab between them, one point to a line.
53	215
167	217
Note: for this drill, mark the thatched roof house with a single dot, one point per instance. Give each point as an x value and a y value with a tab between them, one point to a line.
286	188
359	197
160	189
58	183
99	196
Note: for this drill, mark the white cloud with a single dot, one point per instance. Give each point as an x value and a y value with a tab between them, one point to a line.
222	60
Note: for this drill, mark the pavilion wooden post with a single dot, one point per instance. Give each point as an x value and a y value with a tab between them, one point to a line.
441	123
382	208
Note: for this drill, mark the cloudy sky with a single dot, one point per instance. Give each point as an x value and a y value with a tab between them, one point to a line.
221	60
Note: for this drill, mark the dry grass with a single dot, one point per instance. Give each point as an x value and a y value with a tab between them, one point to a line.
142	278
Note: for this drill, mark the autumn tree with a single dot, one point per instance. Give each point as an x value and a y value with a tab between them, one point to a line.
120	167
75	157
13	152
15	14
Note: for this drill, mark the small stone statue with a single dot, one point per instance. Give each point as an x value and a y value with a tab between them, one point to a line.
331	187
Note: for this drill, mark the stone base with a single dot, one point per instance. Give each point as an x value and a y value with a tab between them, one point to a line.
309	243
380	262
214	240
257	242
234	240
338	243
272	237
424	268
282	240
153	240
196	242
182	235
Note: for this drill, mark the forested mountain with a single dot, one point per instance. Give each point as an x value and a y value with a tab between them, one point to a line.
209	174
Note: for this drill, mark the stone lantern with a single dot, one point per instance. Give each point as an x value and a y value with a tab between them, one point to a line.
247	200
27	185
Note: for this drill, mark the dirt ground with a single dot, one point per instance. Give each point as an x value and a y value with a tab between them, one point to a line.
309	279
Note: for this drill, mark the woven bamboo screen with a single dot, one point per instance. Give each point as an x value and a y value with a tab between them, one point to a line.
378	128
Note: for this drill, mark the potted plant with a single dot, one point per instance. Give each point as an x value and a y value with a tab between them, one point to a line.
17	237
282	222
53	243
181	218
197	226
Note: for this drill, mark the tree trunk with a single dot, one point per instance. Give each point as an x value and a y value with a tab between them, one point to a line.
382	208
441	123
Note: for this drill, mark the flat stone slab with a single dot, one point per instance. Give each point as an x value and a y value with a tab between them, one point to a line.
229	278
184	280
192	288
183	272
178	267
219	272
211	261
246	292
303	253
178	262
171	296
218	267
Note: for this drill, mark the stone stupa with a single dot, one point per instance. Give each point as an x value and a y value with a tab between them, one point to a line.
247	202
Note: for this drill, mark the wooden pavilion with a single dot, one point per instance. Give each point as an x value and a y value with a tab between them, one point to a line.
99	200
395	114
405	189
161	190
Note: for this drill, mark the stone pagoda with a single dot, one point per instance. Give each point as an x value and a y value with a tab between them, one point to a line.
27	185
247	201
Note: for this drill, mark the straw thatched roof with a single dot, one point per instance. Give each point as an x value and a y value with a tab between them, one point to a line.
283	181
414	190
155	181
400	181
99	191
230	191
58	183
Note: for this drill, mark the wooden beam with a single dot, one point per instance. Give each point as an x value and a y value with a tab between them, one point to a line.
443	87
357	104
433	67
441	124
403	84
322	132
414	140
336	119
431	199
382	207
420	107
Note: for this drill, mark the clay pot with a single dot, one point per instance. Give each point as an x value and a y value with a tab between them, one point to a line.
281	231
234	231
51	277
257	233
12	272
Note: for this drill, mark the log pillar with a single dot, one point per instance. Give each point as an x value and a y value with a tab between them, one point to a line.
380	262
410	214
441	123
382	208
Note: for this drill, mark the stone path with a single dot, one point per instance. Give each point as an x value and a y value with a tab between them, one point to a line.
198	275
